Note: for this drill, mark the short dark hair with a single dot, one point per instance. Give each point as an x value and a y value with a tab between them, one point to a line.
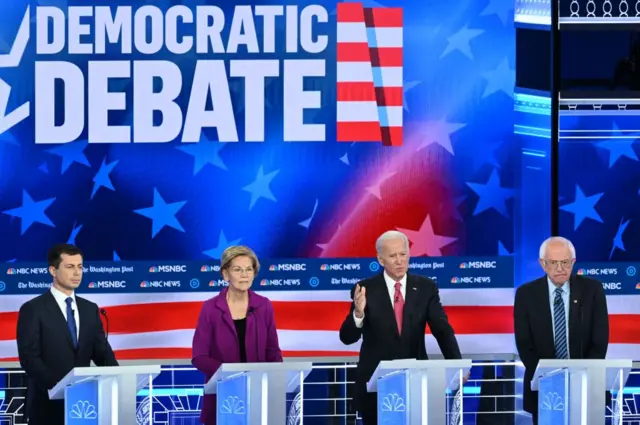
54	257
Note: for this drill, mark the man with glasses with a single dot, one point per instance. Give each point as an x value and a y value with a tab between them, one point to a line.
558	316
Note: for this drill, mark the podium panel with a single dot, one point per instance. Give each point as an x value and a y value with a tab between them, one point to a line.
393	391
573	392
82	403
233	401
414	392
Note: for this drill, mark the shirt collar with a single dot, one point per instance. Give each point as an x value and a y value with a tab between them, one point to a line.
392	283
60	297
552	287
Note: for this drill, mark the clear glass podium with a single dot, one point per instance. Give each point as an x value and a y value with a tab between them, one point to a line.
572	392
414	392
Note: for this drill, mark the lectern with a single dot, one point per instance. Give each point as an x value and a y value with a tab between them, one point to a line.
572	392
255	393
102	395
414	392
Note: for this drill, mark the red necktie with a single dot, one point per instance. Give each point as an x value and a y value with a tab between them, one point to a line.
398	306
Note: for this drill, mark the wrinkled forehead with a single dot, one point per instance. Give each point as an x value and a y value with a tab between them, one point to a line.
558	251
393	246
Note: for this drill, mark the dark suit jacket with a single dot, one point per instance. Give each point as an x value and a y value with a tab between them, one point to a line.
215	340
47	354
533	327
379	332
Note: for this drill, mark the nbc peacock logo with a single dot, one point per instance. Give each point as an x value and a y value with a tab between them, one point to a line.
11	271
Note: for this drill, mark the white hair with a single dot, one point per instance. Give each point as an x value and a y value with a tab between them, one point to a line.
565	241
391	234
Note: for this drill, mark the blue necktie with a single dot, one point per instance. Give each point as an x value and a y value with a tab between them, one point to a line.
560	326
71	322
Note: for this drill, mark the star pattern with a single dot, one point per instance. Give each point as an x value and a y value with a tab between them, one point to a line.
260	187
502	79
425	241
503	9
31	212
204	152
375	189
491	195
583	207
461	41
223	243
617	239
438	132
162	214
619	147
71	153
102	177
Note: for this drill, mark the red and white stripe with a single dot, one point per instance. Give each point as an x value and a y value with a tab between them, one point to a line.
160	326
369	74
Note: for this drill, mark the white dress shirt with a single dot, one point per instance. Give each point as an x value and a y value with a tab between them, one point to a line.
391	287
62	303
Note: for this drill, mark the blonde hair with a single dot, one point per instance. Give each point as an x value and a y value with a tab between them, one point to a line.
234	252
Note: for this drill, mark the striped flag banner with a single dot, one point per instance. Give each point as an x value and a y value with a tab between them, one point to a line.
369	75
161	326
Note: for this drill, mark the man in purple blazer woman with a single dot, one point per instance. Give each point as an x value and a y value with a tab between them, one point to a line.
235	326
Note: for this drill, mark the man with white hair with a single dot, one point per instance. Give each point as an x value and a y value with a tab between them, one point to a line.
558	316
390	312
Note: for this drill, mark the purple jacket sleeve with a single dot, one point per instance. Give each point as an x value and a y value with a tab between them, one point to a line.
273	353
202	340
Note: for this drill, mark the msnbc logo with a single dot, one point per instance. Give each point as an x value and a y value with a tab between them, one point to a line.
637	285
153	269
11	271
92	284
264	282
144	284
581	272
454	280
324	267
272	267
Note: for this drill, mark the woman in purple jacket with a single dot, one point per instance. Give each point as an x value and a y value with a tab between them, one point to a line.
235	326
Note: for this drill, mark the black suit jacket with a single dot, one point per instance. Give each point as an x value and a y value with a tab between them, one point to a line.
47	354
533	327
379	332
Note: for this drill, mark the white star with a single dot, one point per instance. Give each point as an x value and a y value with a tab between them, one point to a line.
324	246
375	189
438	132
425	241
461	41
502	8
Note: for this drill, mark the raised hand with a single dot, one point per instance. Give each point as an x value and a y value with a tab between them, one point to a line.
359	301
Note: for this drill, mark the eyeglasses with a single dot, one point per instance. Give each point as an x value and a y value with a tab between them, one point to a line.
240	271
555	263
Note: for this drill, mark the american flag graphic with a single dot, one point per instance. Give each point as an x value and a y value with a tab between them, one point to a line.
161	326
369	76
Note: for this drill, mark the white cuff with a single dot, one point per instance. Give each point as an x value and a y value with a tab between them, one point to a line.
359	321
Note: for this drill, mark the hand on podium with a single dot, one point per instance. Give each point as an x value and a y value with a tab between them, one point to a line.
359	301
466	377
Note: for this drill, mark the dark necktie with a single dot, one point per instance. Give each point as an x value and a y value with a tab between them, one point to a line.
71	322
560	326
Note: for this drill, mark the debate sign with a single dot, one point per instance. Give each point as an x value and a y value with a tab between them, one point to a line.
181	61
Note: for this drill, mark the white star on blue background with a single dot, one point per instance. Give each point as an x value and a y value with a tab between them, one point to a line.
223	243
503	9
162	214
204	152
74	234
70	153
31	212
583	207
102	177
491	195
461	41
259	188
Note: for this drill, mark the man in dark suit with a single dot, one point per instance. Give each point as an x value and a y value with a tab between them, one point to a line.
58	331
390	312
558	316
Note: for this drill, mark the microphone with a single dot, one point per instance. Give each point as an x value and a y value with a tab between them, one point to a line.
104	313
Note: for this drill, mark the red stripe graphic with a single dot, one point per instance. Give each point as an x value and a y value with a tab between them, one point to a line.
353	52
358	132
356	92
391	136
311	315
386	56
390	96
381	17
350	12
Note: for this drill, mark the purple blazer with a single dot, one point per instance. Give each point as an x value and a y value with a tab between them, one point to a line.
215	340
